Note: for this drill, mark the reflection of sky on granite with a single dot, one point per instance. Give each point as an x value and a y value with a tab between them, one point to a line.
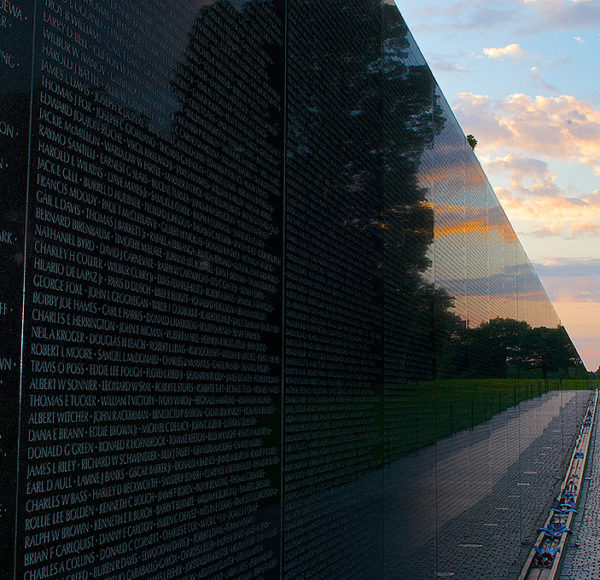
475	255
479	489
509	289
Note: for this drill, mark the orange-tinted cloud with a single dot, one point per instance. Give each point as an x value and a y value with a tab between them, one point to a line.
518	166
529	177
478	116
451	220
533	196
547	232
553	210
587	228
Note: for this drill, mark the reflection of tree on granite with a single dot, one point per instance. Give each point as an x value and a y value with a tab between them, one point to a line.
491	347
504	348
333	317
550	350
426	343
373	136
418	320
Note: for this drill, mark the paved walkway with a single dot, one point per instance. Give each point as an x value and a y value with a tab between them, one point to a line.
583	562
490	491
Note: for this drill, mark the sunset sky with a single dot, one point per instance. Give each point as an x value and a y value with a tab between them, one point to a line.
522	77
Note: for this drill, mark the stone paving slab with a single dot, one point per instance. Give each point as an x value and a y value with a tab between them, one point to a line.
488	495
583	562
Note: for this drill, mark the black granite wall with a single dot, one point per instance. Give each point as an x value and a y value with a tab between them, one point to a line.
242	245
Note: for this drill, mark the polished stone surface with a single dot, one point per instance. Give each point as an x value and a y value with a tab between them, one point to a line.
492	490
248	263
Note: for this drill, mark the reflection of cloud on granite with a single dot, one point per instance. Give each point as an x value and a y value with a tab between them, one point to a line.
512	272
453	220
474	226
512	292
491	287
202	3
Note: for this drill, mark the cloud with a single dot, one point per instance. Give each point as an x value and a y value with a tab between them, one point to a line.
529	177
560	62
534	198
560	217
477	115
538	80
587	228
552	211
573	285
562	126
512	50
577	230
567	14
439	62
547	232
468	15
579	39
556	2
572	268
485	17
519	166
